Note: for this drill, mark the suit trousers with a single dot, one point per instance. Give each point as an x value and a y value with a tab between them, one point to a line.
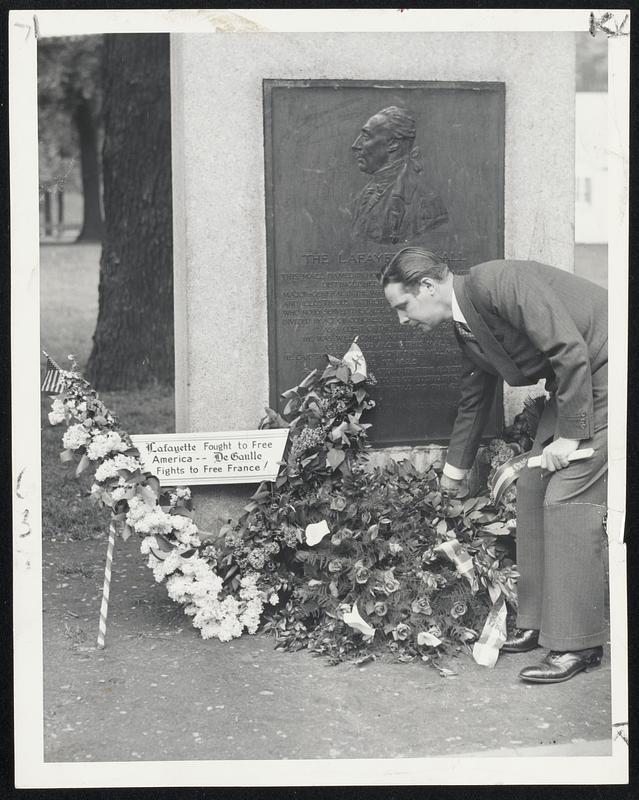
561	547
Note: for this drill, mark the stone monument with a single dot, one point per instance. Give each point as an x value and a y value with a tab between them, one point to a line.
302	162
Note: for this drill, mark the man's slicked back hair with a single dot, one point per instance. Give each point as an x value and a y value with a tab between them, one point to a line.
399	121
412	264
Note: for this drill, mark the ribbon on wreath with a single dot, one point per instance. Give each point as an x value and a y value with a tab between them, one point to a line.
458	555
493	635
486	648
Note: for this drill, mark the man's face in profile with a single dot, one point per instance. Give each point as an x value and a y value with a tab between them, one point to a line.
371	145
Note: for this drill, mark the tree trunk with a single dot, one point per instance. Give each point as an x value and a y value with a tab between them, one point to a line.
60	202
48	229
133	340
90	170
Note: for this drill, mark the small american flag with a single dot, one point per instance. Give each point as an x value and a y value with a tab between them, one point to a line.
53	382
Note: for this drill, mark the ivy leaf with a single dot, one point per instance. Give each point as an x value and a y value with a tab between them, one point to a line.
261	492
360	395
338	431
308	380
292	406
335	457
154	484
469	504
497	529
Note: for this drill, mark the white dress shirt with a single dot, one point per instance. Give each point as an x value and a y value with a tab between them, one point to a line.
455	473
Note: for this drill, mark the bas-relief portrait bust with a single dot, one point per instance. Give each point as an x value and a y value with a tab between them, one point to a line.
397	204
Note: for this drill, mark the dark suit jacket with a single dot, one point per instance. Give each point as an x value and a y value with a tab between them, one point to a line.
531	321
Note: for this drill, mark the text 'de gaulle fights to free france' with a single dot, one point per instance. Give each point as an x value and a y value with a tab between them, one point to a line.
185	459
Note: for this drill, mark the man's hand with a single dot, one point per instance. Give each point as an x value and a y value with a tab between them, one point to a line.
555	455
452	487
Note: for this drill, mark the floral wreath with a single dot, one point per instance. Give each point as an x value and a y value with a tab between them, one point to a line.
328	555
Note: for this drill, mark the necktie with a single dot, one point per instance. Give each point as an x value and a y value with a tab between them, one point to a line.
464	332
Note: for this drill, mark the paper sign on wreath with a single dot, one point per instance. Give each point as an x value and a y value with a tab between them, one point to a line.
196	459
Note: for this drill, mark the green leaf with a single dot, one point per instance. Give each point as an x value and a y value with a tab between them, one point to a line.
497	529
335	457
469	504
292	406
154	484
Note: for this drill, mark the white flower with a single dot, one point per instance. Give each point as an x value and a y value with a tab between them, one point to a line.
147	519
274	599
104	443
74	437
119	493
58	412
185	530
110	467
180	494
163	567
147	544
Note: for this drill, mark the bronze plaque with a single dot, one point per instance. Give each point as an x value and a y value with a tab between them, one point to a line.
356	170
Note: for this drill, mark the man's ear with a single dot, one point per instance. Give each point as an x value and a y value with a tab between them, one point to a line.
427	283
392	145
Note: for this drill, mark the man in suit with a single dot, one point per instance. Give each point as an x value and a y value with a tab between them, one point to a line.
522	321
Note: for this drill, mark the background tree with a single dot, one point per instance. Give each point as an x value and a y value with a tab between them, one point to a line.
69	105
133	340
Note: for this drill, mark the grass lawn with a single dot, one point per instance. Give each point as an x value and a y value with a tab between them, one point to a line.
69	277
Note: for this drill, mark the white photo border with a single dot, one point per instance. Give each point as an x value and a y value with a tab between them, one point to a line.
30	769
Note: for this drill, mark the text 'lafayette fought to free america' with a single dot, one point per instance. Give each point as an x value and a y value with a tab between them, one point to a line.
207	458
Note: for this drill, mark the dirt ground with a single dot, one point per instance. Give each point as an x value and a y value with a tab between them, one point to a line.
158	691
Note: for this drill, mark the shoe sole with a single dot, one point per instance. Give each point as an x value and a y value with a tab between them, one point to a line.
527	650
587	668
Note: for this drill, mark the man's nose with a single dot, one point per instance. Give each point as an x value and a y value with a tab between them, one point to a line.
403	319
356	144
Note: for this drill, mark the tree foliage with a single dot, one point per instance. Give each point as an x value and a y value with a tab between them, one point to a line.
69	107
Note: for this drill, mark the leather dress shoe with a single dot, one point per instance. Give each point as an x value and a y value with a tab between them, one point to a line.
522	640
561	666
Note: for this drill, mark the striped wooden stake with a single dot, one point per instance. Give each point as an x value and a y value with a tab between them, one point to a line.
104	608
